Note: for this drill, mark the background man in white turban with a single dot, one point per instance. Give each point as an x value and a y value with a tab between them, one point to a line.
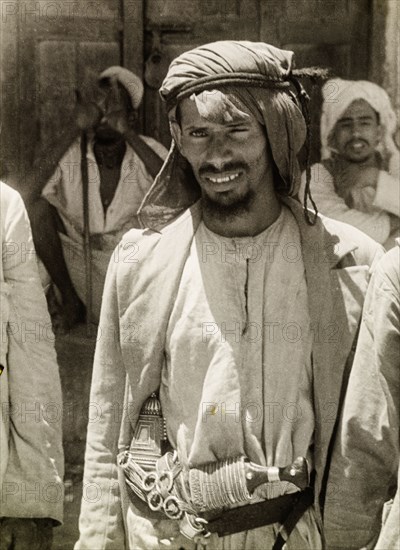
120	168
357	180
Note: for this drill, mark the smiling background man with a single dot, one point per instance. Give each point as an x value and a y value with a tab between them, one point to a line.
357	180
203	301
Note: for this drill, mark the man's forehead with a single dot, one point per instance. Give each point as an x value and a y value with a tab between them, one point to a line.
112	90
214	106
359	108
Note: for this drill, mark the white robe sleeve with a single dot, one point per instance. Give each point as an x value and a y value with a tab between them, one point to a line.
32	484
387	195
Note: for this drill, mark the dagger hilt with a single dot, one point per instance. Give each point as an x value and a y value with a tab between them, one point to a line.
297	473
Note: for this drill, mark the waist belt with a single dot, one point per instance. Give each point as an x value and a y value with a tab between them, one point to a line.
286	509
200	497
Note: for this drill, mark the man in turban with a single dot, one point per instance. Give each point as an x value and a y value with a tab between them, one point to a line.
365	468
357	180
120	167
235	306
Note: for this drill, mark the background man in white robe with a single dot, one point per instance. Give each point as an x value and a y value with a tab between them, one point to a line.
32	462
358	178
120	168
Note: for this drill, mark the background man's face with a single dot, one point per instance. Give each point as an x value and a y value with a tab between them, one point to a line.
230	159
357	132
113	104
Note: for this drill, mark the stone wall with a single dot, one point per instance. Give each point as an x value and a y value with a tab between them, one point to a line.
391	77
384	52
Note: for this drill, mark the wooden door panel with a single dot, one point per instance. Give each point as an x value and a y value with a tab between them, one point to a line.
325	26
97	56
62	66
332	33
337	57
56	61
53	44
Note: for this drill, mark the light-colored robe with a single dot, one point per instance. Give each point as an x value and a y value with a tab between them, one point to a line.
375	222
32	459
237	379
64	192
365	462
141	287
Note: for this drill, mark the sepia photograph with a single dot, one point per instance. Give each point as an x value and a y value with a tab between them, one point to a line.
200	278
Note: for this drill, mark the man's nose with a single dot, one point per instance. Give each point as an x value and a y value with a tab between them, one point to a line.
218	151
356	130
104	117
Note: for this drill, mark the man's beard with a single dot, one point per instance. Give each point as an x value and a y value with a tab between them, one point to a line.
228	205
107	136
227	210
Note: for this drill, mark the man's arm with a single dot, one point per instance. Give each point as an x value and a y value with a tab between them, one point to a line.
101	522
383	189
387	195
375	224
366	453
32	484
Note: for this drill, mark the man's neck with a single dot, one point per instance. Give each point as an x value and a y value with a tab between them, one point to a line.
262	212
109	154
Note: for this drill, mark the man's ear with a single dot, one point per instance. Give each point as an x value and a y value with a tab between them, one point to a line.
379	134
332	140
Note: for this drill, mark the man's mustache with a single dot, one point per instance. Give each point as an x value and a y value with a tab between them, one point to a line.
208	168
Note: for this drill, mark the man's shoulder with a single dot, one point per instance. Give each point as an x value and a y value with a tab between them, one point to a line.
324	165
388	271
8	194
73	152
168	240
155	145
346	237
11	202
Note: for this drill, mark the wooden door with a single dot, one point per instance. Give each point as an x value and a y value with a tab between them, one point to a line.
50	47
46	46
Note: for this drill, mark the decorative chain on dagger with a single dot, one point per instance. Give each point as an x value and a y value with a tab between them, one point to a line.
184	494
